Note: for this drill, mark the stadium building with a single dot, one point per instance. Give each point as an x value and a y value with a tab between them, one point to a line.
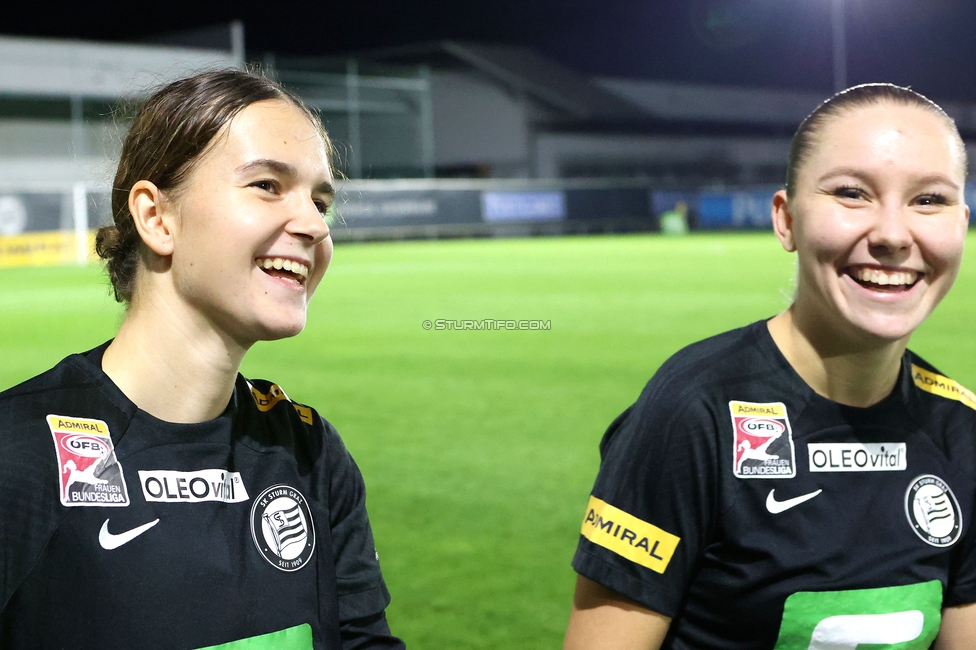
443	139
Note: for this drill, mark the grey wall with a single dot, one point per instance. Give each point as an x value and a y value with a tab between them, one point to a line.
22	137
684	101
557	153
477	122
56	152
61	68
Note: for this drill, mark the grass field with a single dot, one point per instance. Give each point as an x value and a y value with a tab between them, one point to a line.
479	447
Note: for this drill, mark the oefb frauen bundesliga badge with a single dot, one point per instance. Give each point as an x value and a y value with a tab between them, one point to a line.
89	474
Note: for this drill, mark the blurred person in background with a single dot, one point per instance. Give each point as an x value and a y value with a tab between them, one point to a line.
675	220
806	481
151	496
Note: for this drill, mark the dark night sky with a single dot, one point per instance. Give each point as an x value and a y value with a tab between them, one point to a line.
928	44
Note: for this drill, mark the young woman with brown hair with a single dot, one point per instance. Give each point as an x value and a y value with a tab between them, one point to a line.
151	496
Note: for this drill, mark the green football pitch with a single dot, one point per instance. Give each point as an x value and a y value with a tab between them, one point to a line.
479	447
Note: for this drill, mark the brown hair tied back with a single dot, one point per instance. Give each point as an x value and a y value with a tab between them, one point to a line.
170	132
846	100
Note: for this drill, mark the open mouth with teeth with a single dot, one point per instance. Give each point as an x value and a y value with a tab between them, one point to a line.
281	267
883	280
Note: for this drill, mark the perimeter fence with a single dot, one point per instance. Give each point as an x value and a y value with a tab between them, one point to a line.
45	225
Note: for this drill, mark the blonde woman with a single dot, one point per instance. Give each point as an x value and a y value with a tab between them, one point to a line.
806	481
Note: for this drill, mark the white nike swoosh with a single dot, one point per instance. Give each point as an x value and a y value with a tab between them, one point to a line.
110	541
777	507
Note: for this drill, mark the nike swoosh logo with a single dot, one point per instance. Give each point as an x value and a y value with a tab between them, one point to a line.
777	507
110	541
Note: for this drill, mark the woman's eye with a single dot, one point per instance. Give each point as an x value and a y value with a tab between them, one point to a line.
849	192
932	199
266	185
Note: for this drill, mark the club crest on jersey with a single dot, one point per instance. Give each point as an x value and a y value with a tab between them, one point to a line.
762	441
282	528
933	511
89	473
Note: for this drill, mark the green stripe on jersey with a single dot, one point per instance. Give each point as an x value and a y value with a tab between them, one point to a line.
892	618
294	638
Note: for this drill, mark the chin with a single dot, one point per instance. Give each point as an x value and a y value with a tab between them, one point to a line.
282	330
285	333
887	329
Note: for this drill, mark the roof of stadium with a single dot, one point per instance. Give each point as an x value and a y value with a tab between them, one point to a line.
751	43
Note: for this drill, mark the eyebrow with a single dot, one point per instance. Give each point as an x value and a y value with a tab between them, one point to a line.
857	173
283	169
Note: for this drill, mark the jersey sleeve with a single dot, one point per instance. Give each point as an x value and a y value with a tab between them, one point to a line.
369	633
29	507
961	587
654	500
361	590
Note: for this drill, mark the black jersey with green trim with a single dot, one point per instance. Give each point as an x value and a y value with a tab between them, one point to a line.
758	514
120	530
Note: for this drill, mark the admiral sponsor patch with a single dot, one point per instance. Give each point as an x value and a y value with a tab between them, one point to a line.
89	472
282	528
763	440
933	511
628	536
936	384
857	457
171	486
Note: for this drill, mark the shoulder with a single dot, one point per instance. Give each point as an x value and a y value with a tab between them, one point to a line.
73	391
67	375
691	391
264	396
945	409
273	421
701	356
32	417
708	370
948	392
71	388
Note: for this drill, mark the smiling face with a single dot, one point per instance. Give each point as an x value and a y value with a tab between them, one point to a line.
878	221
250	241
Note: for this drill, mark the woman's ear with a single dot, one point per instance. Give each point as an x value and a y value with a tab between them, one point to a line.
783	221
153	221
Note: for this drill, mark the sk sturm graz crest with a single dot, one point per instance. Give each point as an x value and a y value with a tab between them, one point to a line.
763	441
89	473
933	511
282	528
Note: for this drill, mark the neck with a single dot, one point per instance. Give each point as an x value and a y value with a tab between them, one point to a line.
172	363
856	374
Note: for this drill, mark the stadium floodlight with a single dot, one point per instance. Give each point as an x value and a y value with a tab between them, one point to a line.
840	45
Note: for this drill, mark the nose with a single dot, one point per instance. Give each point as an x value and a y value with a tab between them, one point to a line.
891	232
307	222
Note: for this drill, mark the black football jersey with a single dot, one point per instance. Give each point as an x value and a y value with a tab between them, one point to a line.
119	530
758	514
